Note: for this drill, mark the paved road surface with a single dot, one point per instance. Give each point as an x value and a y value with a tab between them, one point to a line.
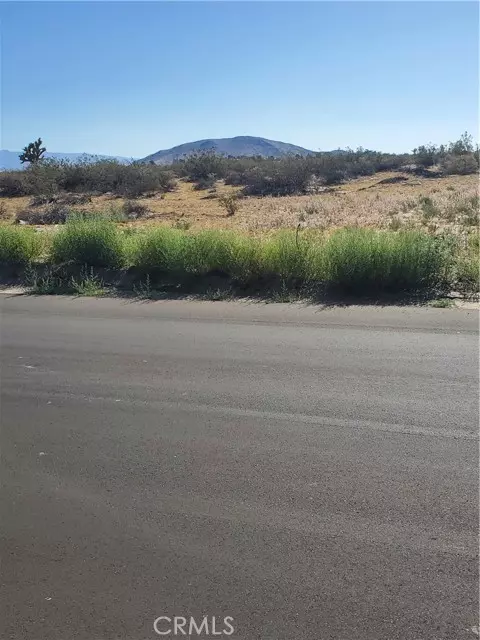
311	474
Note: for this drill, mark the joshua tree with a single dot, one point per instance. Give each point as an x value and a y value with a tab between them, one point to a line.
33	152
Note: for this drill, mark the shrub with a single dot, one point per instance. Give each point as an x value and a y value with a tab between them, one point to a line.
74	199
13	184
287	176
49	177
138	179
426	155
202	164
134	210
42	178
41	200
166	180
208	182
55	214
463	164
234	178
230	202
92	241
183	225
19	245
428	207
315	184
463	210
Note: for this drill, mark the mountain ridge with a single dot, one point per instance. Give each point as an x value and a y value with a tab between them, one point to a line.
237	146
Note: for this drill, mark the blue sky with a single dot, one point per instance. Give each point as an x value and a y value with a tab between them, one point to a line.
129	78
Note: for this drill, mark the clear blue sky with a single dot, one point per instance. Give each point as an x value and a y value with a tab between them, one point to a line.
129	78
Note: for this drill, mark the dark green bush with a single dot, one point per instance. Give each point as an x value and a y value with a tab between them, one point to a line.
201	165
143	179
13	184
206	183
42	178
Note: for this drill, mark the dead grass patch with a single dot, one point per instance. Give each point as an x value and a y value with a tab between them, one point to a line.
374	201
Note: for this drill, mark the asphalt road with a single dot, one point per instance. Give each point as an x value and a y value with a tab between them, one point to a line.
311	474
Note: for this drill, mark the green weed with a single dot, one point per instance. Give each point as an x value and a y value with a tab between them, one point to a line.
144	289
44	282
442	303
88	284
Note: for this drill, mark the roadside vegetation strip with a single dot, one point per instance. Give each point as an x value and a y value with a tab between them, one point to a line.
353	260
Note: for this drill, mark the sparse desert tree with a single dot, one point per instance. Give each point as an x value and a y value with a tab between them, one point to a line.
33	152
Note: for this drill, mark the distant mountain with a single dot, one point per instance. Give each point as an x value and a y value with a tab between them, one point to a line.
238	146
10	159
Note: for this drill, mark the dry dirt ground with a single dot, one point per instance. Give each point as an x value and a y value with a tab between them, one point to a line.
366	202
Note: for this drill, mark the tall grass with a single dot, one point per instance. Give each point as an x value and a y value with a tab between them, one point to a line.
160	248
466	269
284	255
360	260
91	241
200	253
353	260
222	251
19	245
